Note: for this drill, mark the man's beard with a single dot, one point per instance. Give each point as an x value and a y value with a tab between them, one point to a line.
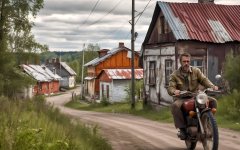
185	68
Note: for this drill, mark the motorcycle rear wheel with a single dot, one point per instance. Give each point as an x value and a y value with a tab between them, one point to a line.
210	140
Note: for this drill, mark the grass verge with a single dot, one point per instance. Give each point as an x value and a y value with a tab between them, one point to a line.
31	124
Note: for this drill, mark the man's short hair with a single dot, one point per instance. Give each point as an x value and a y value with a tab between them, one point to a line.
186	54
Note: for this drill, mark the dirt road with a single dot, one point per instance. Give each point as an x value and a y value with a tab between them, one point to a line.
126	132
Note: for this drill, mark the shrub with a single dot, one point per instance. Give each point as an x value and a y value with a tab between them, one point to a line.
105	101
232	71
230	105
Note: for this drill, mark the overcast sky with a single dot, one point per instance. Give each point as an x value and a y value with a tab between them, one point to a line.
64	25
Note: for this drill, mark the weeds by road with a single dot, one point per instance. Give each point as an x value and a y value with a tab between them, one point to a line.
32	124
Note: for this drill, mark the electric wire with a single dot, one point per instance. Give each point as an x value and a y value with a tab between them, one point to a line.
100	19
94	7
140	14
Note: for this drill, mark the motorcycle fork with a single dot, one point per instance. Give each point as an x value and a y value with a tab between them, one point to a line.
199	120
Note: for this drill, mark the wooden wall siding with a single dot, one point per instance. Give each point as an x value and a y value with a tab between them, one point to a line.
46	88
117	61
157	93
55	87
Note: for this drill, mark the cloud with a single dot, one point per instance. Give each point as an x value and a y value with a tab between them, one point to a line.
65	25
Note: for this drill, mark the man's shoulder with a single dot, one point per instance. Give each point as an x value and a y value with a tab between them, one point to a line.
195	69
175	73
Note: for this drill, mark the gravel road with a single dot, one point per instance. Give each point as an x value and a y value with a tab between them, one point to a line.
126	132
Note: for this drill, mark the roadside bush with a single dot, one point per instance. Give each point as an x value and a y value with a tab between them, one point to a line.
230	106
232	71
138	90
105	101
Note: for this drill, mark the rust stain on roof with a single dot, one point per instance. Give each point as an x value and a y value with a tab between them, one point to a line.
123	73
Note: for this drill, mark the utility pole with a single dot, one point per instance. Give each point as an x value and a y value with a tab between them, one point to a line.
82	88
132	56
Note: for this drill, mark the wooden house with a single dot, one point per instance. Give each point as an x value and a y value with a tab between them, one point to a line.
67	74
114	83
206	30
117	58
46	81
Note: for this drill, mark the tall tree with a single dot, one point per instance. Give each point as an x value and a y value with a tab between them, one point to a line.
15	36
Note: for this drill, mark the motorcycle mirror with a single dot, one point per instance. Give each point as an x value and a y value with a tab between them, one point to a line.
218	76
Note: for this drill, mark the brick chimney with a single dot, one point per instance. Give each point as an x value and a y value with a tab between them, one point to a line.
102	52
121	45
206	1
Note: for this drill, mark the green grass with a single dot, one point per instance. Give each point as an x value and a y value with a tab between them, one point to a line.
31	124
163	115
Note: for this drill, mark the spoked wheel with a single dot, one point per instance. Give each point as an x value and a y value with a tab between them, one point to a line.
210	139
190	144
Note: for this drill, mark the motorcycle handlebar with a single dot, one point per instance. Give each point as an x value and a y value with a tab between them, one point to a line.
208	91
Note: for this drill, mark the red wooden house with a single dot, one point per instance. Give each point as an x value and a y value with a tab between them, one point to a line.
117	58
46	81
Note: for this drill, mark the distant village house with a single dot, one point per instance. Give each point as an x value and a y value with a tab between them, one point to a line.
62	69
46	81
117	58
114	83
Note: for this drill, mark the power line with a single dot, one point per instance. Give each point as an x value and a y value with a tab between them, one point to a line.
95	22
140	14
91	11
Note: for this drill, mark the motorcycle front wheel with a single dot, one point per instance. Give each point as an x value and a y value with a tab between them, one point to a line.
190	144
210	139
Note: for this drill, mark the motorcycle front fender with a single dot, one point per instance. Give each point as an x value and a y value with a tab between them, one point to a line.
205	110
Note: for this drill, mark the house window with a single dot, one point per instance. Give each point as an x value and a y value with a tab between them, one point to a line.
168	70
198	63
152	72
164	28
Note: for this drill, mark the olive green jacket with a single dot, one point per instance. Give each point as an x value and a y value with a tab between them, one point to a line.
195	78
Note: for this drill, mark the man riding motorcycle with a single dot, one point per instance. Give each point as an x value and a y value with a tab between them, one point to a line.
186	78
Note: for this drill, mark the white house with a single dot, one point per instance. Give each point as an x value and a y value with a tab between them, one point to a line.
113	83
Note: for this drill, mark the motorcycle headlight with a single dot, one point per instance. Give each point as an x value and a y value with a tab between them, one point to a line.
202	98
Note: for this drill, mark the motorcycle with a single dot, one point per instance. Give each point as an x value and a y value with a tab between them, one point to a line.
199	116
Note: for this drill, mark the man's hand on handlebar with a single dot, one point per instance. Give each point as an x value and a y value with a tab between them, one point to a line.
177	92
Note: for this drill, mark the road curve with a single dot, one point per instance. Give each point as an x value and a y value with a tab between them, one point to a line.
127	132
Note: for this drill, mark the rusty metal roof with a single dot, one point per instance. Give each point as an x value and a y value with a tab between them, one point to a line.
123	73
40	73
202	22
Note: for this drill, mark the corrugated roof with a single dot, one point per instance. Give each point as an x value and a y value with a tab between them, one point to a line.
69	69
109	54
202	22
40	74
123	73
